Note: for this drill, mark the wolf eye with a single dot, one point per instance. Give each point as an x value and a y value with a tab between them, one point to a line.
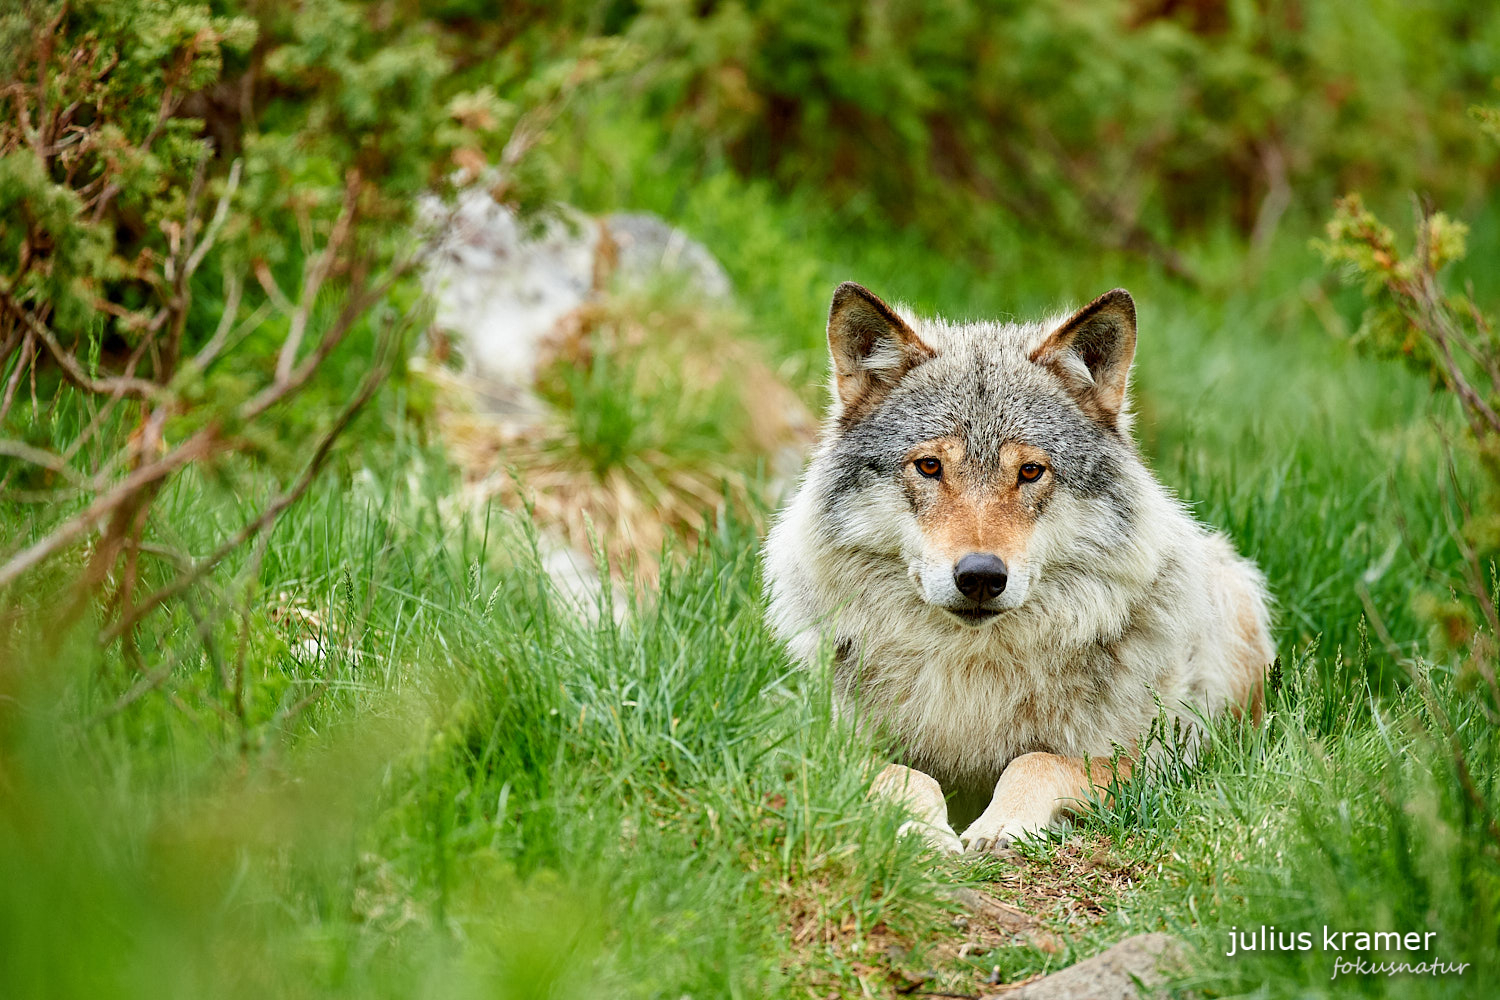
929	467
1031	472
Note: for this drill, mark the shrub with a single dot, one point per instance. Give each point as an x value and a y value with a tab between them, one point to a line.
205	236
1112	123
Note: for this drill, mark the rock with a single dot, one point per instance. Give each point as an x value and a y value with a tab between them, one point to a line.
577	580
500	286
1128	971
647	248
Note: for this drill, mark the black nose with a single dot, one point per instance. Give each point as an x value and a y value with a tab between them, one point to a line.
979	576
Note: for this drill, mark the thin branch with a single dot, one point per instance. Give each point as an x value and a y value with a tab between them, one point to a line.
232	290
10	343
221	212
1490	358
70	366
258	524
45	459
109	405
251	322
180	298
182	240
205	628
44	57
1440	332
146	684
1278	197
27	348
272	289
353	309
314	273
80	524
1477	348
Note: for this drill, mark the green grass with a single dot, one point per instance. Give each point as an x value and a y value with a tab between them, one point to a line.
491	797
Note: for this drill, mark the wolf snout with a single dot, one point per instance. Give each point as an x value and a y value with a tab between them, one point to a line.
980	576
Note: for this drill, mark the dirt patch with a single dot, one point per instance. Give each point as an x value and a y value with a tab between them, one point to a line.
1075	883
1010	930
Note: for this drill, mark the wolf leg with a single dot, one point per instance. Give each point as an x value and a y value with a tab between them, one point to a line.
923	798
1033	793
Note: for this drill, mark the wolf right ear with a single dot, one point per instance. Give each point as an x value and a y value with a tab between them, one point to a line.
872	348
1091	351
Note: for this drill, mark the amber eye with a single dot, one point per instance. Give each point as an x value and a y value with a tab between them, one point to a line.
1031	472
930	467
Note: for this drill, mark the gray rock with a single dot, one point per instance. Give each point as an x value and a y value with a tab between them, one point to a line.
1128	971
649	248
577	580
500	287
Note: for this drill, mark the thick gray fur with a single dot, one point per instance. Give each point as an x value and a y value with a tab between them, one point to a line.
1127	604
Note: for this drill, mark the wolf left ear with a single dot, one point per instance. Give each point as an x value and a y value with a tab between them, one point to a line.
872	348
1091	351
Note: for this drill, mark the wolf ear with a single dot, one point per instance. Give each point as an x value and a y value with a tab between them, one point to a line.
1091	351
872	347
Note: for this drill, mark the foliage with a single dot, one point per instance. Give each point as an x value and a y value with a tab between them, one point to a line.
1449	337
475	776
374	752
204	243
491	793
1115	124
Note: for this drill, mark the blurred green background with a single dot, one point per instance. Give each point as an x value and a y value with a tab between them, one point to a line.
373	753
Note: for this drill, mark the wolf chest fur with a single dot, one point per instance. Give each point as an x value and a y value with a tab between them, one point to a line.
1006	587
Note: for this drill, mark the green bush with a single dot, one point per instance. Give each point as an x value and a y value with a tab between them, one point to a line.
207	235
1116	124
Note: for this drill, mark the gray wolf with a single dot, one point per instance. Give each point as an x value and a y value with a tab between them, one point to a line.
1007	590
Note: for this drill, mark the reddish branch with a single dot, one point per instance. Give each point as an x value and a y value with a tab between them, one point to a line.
124	505
196	570
197	447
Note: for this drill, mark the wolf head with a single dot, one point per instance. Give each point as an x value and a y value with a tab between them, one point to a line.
979	460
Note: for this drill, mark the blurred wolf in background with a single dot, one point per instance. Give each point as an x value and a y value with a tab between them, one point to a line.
1006	587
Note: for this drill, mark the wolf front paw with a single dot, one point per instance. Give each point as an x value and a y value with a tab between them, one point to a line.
940	838
923	798
988	835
